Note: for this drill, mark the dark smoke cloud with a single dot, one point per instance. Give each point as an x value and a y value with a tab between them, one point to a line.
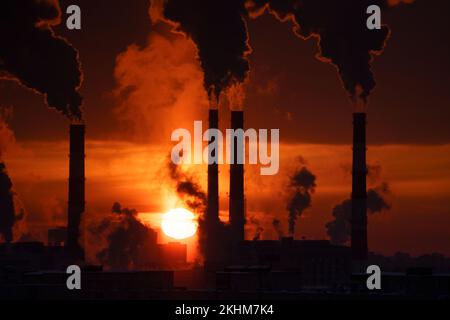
32	54
12	219
7	212
376	201
344	39
302	185
130	244
190	192
187	189
339	229
195	198
220	33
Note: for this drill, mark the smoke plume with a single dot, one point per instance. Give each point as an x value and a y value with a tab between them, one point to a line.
258	228
343	37
277	226
170	87
33	55
7	207
220	33
302	185
187	189
339	229
190	192
130	244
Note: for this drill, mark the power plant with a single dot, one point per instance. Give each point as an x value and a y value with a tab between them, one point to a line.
234	267
253	212
282	254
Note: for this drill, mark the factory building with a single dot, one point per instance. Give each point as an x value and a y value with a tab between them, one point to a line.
307	263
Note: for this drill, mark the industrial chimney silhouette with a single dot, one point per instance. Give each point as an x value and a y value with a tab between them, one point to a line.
76	205
213	245
212	215
359	192
237	219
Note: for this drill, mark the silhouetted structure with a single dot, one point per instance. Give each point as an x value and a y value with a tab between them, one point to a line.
212	215
307	263
359	192
237	218
57	237
172	255
76	205
210	245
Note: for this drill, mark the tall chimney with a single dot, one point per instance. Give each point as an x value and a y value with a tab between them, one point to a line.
359	193
213	245
237	219
76	203
212	215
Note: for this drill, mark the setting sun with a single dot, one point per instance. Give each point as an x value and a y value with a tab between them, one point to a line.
179	224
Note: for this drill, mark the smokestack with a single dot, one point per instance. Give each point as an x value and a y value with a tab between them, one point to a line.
76	190
359	193
212	215
237	219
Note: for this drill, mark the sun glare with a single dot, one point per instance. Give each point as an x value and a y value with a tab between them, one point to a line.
179	224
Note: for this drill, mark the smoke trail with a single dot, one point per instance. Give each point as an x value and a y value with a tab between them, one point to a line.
302	185
220	33
187	189
130	244
195	198
7	208
277	226
339	229
343	37
33	55
258	228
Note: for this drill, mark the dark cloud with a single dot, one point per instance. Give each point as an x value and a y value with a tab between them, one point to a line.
220	33
343	37
187	189
190	192
130	244
32	54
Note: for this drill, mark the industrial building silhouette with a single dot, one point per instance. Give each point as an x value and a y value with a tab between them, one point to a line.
233	267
